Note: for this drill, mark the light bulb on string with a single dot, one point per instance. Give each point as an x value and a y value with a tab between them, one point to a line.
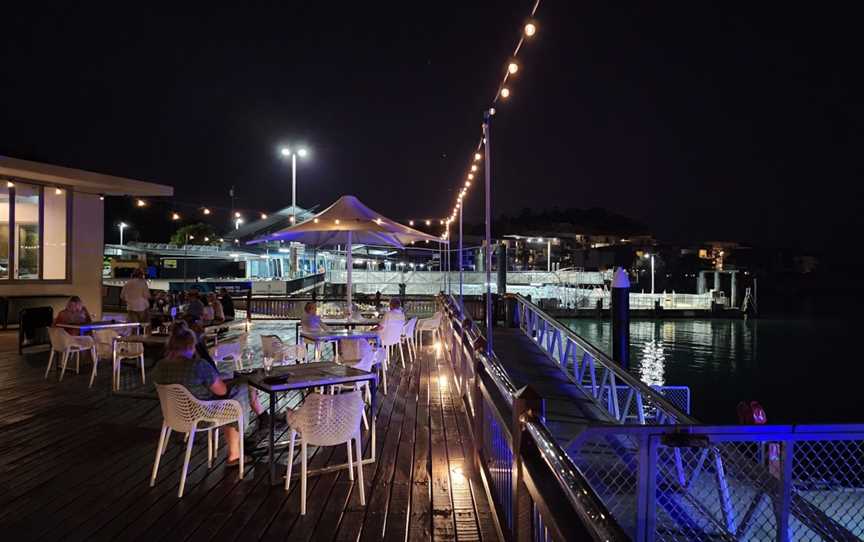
175	216
141	203
477	156
410	222
505	92
467	184
263	216
530	29
512	68
428	222
206	211
474	167
470	176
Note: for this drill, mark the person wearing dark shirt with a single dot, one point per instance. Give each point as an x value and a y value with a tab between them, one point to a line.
227	304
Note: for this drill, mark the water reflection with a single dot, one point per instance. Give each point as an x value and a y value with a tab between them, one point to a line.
651	365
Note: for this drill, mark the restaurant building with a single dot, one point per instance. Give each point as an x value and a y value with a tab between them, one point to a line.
51	224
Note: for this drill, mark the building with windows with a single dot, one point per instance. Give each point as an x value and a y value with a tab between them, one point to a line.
51	228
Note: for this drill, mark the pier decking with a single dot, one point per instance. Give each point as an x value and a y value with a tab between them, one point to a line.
75	464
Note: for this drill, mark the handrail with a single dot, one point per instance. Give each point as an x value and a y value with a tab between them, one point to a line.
549	479
622	375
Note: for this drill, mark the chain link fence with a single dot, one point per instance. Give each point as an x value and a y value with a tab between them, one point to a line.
728	483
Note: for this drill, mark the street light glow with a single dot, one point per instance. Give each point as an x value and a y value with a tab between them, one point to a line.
301	153
236	215
285	151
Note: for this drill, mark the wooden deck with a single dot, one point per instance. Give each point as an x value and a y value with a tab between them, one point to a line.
75	465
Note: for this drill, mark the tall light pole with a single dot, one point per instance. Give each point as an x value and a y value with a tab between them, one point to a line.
487	147
549	255
652	270
286	152
461	299
122	227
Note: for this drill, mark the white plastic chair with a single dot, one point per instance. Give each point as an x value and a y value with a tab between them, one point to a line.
390	336
327	420
65	345
408	338
429	325
183	412
125	350
230	351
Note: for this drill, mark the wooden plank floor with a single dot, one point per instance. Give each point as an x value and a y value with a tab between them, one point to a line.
75	465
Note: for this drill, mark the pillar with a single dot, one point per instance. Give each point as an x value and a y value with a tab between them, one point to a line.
481	260
716	281
700	283
501	254
621	318
733	289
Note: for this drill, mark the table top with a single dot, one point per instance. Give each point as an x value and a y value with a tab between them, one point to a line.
336	334
145	339
100	325
351	321
306	375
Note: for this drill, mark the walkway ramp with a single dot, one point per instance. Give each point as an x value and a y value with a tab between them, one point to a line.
568	408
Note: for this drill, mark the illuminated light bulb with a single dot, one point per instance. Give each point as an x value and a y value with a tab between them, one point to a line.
175	216
530	29
9	184
141	203
58	191
467	184
206	239
512	68
477	156
221	240
470	177
410	222
428	222
206	211
474	167
191	237
505	92
286	151
263	216
337	221
236	215
301	153
101	198
315	220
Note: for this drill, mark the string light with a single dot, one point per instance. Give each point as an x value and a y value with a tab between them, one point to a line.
206	211
503	92
263	216
175	216
236	215
58	191
410	222
10	184
428	222
141	203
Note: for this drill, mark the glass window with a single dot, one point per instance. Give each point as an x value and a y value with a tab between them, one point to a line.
26	231
54	232
4	230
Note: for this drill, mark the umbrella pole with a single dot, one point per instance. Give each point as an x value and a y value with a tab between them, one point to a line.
349	262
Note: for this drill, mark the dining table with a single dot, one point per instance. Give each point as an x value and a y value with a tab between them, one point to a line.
104	324
305	376
336	335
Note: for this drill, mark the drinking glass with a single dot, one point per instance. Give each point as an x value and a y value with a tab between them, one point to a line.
268	364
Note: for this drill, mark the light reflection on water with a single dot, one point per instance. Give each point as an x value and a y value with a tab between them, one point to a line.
781	363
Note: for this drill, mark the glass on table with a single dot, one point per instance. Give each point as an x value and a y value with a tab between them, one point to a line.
268	363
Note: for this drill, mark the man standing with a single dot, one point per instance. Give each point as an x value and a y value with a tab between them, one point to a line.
136	294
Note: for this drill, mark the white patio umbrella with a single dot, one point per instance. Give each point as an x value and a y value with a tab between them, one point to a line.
346	222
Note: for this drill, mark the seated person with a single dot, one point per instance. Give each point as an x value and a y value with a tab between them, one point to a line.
394	316
75	313
194	307
310	320
216	307
182	366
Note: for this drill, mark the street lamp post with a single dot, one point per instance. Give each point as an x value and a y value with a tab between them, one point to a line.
487	148
301	152
652	271
122	227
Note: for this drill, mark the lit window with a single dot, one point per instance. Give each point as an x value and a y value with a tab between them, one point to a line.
26	231
54	248
4	231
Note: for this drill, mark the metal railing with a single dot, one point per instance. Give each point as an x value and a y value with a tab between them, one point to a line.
291	308
729	482
625	398
537	492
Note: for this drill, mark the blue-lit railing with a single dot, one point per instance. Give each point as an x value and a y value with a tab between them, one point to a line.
538	493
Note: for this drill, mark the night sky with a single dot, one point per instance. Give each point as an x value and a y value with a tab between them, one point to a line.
702	120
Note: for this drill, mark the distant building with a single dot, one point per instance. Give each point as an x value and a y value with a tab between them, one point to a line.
51	221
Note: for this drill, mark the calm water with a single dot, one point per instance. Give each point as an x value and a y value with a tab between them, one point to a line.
802	371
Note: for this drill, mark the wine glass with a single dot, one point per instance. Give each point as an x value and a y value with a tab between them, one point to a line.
268	363
246	358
